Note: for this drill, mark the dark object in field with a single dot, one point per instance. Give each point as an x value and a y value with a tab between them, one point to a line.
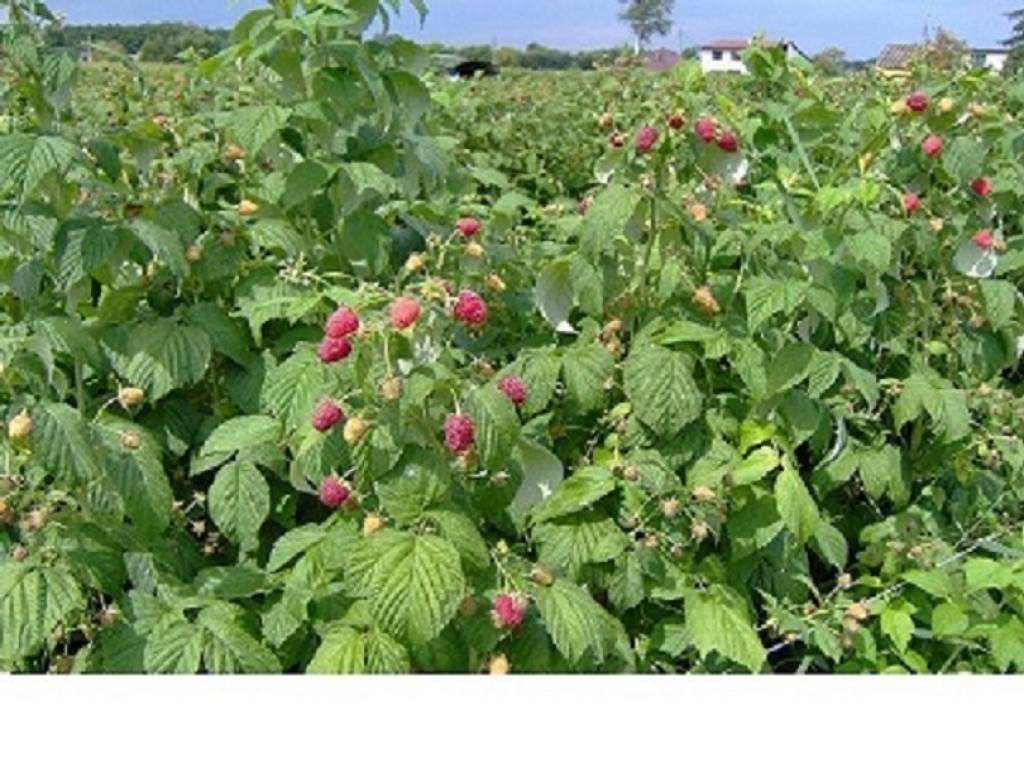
467	70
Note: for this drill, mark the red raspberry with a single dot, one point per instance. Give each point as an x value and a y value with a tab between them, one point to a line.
983	239
728	142
911	202
616	141
333	492
646	138
458	433
326	415
705	129
932	146
514	389
344	322
467	227
584	205
917	101
508	611
676	122
331	349
404	312
470	309
981	186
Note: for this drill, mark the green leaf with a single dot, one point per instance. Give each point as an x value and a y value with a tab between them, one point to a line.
832	545
64	442
341	652
174	646
25	161
607	217
766	297
33	601
464	536
414	584
542	474
230	649
574	621
661	389
554	295
572	542
292	389
790	367
581	491
796	505
585	369
717	622
293	544
898	627
935	583
254	126
755	467
496	427
421	480
982	573
948	620
239	502
871	250
1000	301
164	356
137	474
240	433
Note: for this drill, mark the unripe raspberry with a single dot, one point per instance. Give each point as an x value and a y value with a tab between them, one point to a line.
670	507
5	512
474	250
676	122
936	224
899	107
372	524
857	611
911	202
468	606
652	541
194	253
129	397
467	227
977	110
107	617
20	427
706	301
354	430
343	322
247	208
983	239
233	152
498	665
19	553
616	141
542	576
646	138
705	129
946	104
613	327
333	492
130	441
458	433
606	121
514	389
508	611
404	312
391	389
36	520
326	415
630	474
698	211
917	102
470	309
932	146
494	283
414	263
704	494
331	349
845	581
728	142
699	530
981	186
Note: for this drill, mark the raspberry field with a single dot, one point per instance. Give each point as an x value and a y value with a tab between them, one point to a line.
314	361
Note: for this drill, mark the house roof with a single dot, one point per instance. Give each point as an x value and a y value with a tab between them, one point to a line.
897	55
726	45
663	58
991	50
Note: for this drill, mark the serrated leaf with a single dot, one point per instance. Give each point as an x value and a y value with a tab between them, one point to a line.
496	427
607	217
573	620
661	389
64	442
292	389
239	502
715	623
174	646
164	356
580	491
293	544
585	369
240	433
254	126
229	648
414	584
796	505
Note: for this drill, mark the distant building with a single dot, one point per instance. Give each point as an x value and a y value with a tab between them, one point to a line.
661	59
727	55
898	57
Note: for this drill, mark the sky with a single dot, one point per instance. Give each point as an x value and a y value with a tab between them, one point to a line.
860	27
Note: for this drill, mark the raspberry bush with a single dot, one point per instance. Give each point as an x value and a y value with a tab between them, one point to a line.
312	362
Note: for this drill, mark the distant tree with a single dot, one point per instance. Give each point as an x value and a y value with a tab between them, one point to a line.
831	61
945	51
507	57
1015	42
648	19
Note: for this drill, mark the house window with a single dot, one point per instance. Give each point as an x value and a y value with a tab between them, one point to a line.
735	55
716	55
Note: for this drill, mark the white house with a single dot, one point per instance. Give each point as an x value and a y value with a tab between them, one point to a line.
993	58
727	55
